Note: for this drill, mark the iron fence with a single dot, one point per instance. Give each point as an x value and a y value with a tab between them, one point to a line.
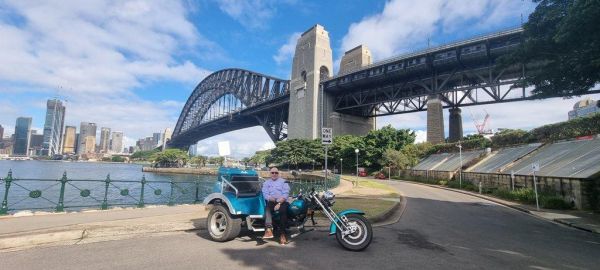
76	194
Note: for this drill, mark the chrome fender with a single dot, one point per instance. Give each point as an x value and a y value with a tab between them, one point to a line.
333	227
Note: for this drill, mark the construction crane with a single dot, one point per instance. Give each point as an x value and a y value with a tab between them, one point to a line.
481	127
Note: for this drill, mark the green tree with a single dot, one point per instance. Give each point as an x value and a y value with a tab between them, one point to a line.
297	152
117	159
143	155
343	148
378	141
199	161
562	38
216	160
170	158
261	158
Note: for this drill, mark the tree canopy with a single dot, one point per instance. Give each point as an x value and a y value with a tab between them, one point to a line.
170	158
562	37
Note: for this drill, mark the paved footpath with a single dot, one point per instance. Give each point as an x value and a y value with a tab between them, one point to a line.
21	232
439	229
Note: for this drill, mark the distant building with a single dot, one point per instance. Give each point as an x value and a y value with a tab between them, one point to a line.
22	136
104	140
193	150
1	133
36	144
116	145
131	149
70	140
166	137
89	144
584	107
157	139
86	130
53	128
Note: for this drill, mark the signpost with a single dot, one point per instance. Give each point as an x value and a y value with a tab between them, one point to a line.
535	167
512	179
326	139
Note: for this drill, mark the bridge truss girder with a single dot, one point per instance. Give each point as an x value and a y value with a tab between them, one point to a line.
212	106
456	88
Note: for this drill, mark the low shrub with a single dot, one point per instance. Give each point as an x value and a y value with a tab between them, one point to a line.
555	202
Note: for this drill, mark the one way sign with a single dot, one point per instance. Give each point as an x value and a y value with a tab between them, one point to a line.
326	136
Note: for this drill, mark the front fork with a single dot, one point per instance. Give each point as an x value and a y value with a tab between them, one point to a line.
337	221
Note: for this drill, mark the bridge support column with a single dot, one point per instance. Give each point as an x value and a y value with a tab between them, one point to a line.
435	120
455	125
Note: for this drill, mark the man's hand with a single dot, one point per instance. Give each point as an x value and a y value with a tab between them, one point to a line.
277	206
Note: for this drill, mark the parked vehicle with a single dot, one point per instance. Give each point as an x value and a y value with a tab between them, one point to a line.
238	201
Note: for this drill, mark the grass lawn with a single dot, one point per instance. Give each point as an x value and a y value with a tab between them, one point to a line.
372	207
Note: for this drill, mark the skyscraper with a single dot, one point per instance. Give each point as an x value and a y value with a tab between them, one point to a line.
22	132
53	128
156	139
166	137
117	142
86	130
1	132
104	139
70	140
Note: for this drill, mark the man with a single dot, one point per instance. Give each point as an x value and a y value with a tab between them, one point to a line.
276	191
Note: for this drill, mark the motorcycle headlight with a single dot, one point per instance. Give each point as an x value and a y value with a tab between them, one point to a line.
329	196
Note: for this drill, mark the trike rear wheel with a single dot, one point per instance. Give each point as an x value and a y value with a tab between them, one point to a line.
221	225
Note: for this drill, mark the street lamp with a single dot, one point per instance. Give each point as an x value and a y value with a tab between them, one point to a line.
461	164
341	165
356	151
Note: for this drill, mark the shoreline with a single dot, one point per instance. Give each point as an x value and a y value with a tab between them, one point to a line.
201	171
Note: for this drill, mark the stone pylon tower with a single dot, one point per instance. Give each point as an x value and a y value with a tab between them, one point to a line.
455	133
344	124
313	60
435	120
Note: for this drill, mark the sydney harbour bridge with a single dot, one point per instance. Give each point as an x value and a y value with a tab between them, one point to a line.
455	75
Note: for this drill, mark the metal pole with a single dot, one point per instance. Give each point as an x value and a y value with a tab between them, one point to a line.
326	167
141	202
341	166
8	180
389	172
356	162
537	203
461	165
60	207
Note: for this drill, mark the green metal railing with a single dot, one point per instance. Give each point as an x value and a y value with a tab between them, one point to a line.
59	194
64	193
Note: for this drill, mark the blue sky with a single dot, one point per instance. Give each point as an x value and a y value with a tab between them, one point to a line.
130	65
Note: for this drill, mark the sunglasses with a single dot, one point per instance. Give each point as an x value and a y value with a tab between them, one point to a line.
274	172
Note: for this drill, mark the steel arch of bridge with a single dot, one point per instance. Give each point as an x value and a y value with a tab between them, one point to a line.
263	100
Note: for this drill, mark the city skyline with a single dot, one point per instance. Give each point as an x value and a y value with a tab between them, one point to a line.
140	87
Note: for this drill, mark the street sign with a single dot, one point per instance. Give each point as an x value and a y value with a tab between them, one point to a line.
535	167
224	149
326	136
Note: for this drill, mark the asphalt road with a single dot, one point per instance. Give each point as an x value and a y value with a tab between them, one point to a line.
439	230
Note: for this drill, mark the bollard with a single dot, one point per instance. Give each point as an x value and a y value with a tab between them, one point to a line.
105	201
141	202
63	181
8	180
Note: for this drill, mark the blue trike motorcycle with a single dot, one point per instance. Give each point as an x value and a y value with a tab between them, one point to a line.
237	202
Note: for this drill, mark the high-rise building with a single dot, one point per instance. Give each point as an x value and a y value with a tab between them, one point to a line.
1	133
156	139
36	144
116	142
584	107
53	128
70	141
90	144
86	130
166	137
22	136
104	140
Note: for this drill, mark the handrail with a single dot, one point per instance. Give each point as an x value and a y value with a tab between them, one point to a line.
224	181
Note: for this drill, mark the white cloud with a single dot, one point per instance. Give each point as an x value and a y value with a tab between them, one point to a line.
421	136
243	142
97	53
404	25
287	50
252	14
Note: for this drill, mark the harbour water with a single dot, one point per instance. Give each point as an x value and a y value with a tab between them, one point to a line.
37	185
